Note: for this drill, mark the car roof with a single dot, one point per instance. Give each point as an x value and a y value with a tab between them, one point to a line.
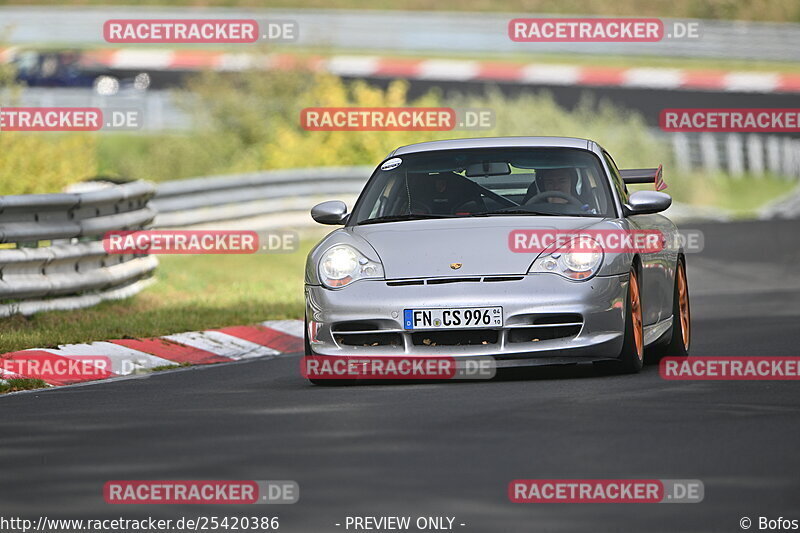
494	142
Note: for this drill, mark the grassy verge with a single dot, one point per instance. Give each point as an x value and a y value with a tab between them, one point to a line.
19	384
192	293
746	194
162	368
774	10
741	195
526	55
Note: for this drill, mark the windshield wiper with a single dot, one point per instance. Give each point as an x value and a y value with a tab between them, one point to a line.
517	211
398	218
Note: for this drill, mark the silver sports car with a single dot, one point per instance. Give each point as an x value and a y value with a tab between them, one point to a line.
527	249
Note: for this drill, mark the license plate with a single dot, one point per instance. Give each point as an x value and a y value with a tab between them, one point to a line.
453	318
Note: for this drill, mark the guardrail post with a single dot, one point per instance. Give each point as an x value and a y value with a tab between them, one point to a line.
774	154
735	154
755	155
682	151
790	162
708	152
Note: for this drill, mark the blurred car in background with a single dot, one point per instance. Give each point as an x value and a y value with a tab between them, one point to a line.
52	69
71	68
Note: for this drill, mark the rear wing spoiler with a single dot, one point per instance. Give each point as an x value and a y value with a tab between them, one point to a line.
644	175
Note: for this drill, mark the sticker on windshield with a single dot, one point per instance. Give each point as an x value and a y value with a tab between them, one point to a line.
391	164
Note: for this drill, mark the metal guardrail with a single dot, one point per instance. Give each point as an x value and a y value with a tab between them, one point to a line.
736	153
58	261
278	193
786	207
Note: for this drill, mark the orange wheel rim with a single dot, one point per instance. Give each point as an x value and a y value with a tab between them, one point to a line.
683	305
636	315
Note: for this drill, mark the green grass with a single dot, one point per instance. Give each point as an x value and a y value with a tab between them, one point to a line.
168	367
19	384
774	10
526	54
744	195
192	293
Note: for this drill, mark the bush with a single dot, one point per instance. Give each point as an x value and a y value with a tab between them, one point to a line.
40	162
258	115
162	157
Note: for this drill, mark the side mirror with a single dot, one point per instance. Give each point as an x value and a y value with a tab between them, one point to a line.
333	212
647	202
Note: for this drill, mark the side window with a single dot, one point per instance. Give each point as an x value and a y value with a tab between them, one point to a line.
384	198
590	189
622	190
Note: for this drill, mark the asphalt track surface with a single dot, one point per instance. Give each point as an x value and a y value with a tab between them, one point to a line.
450	448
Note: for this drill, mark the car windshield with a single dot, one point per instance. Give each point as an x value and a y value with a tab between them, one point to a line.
486	182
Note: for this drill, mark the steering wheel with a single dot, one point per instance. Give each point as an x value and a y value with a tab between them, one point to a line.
539	198
418	208
461	208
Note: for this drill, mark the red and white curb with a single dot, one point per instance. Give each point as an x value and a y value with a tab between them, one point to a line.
454	70
445	70
122	357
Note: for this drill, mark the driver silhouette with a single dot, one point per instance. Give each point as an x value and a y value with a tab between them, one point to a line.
557	179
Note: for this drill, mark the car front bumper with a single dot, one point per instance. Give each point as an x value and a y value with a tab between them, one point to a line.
548	319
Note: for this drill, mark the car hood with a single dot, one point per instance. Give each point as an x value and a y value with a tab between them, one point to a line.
427	248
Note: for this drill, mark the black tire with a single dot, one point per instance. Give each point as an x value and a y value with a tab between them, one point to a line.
631	357
306	342
308	352
675	345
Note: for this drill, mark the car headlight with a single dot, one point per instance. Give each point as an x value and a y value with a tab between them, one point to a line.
342	264
579	259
